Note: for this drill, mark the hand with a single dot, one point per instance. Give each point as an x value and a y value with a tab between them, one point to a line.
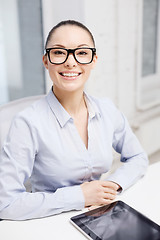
99	192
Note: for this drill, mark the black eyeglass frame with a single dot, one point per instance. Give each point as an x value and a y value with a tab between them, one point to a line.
70	51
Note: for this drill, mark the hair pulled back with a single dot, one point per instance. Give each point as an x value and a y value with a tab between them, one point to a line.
68	22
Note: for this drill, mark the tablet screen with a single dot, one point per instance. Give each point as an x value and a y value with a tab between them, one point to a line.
116	221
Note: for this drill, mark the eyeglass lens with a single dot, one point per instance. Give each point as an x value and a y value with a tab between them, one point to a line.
82	55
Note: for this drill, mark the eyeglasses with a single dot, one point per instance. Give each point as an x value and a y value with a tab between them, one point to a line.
60	55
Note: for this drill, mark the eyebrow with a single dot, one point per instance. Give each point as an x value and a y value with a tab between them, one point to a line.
59	45
81	45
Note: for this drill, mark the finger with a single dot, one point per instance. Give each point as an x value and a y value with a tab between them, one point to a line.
109	190
110	184
105	201
109	196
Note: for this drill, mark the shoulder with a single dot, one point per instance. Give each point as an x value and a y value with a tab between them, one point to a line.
104	105
34	111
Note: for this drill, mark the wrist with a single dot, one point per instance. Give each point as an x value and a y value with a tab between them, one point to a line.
119	190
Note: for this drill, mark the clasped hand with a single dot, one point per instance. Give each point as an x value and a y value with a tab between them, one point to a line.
99	192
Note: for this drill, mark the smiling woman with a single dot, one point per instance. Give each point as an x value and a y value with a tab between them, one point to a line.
64	141
71	58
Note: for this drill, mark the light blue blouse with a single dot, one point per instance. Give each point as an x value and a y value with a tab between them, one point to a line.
43	144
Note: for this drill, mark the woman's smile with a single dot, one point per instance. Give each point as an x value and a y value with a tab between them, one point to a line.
70	75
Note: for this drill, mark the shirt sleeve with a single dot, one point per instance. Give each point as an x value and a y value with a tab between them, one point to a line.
133	157
16	164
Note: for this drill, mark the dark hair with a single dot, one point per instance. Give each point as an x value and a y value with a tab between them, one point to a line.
68	22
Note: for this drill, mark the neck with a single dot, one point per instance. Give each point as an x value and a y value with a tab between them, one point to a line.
73	102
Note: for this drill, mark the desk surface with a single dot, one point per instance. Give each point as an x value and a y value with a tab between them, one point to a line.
143	196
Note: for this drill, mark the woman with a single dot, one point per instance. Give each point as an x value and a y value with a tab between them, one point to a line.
64	141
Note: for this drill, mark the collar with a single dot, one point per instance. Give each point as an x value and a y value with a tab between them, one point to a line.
62	115
91	106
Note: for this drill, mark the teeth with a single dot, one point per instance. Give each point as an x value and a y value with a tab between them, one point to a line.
70	74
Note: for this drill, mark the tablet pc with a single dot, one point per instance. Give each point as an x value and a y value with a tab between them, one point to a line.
116	221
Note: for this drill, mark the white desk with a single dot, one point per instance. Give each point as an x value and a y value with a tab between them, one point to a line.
143	196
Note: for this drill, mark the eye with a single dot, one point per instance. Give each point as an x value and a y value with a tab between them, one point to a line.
58	52
82	53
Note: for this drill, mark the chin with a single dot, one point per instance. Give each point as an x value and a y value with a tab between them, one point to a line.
73	88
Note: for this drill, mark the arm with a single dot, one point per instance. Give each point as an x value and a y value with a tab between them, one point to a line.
134	158
16	164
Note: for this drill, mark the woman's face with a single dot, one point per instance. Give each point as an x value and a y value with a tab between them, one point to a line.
71	75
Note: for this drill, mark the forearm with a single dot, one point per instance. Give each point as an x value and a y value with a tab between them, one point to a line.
131	170
41	204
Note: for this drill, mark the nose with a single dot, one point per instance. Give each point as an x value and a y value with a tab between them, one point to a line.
71	62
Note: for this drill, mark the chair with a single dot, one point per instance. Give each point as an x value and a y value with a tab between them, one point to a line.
8	111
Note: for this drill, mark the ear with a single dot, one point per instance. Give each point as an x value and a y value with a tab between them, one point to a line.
45	61
94	62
